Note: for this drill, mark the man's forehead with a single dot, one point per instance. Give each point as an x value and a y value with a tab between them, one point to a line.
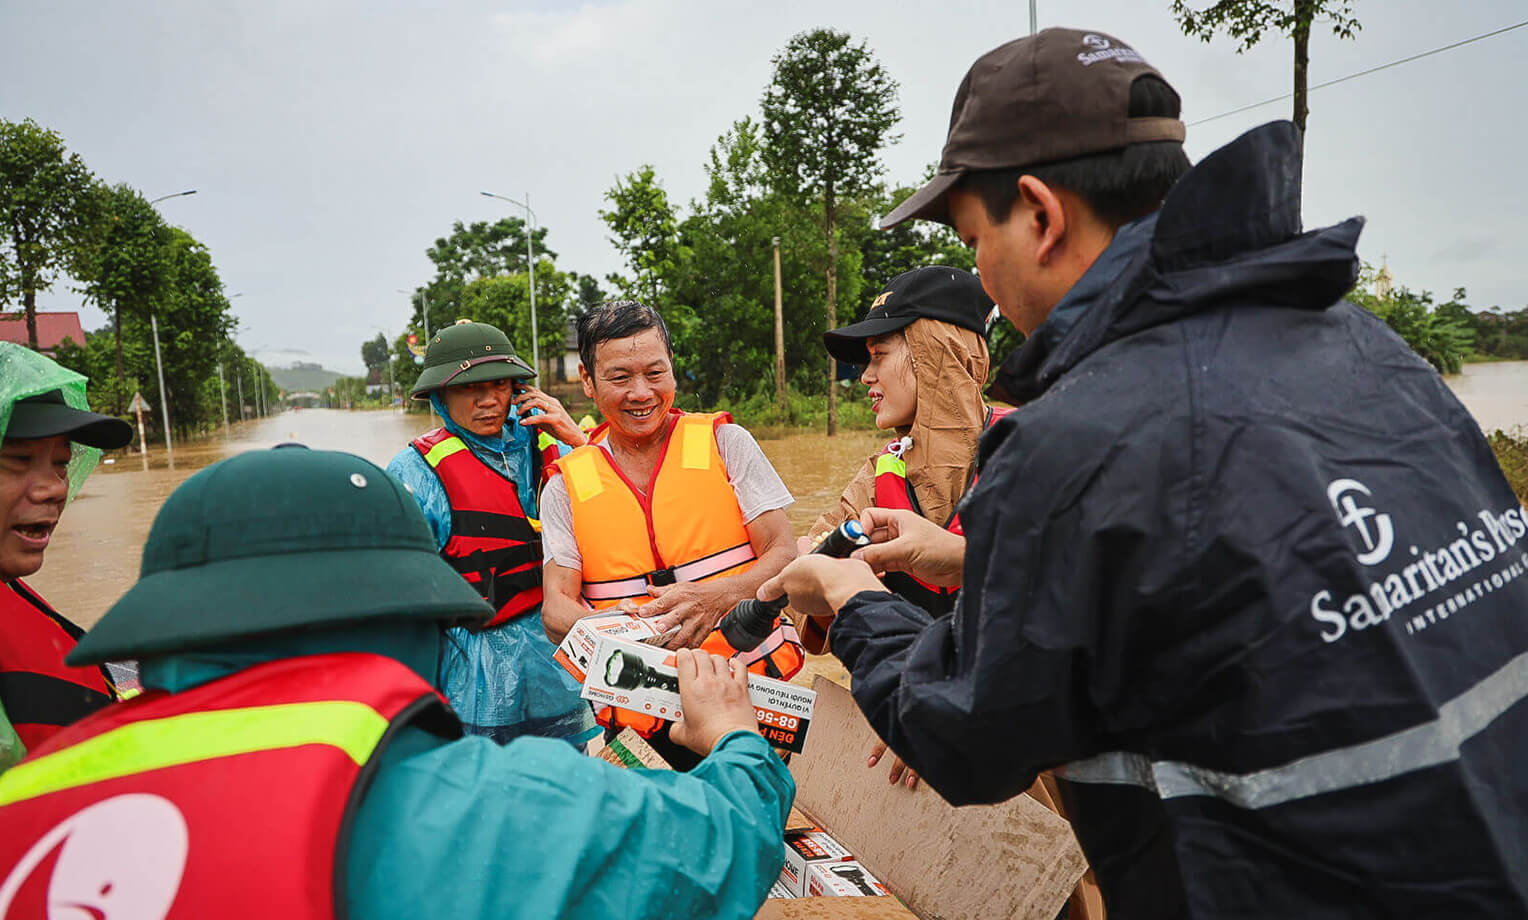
32	444
645	348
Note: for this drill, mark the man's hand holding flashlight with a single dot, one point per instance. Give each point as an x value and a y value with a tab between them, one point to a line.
714	693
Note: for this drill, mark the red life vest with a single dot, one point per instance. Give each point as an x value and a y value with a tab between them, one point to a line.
893	490
41	694
233	799
494	544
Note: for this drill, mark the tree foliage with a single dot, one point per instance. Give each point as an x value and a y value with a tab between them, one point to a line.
1439	335
644	231
1247	20
46	209
374	352
476	250
828	111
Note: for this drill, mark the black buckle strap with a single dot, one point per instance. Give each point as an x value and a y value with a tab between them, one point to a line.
659	578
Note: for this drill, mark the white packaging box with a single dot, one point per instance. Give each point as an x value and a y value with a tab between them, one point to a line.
842	879
577	648
802	851
778	890
639	677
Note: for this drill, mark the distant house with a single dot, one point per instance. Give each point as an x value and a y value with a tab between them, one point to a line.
52	329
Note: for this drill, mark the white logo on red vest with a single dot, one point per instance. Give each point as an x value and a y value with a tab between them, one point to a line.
1378	540
119	859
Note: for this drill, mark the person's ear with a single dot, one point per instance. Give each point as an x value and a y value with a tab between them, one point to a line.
586	380
1043	208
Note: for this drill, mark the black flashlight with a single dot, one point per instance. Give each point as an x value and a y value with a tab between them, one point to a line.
855	876
752	620
627	671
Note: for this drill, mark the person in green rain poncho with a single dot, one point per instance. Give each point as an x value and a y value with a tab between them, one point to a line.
291	755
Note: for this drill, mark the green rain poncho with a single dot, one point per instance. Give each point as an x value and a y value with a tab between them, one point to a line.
24	373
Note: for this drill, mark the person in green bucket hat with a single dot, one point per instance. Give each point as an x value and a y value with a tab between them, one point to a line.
291	756
476	478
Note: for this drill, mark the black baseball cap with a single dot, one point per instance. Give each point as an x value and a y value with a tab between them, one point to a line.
48	416
1056	95
950	295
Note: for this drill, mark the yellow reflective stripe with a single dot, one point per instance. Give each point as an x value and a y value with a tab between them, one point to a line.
891	463
443	450
582	476
544	440
535	524
139	747
695	444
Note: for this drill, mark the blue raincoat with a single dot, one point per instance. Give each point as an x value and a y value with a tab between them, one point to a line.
465	829
502	682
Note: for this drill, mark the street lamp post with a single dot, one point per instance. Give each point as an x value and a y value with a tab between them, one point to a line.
530	265
164	402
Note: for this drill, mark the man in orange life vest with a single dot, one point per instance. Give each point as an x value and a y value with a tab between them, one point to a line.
45	455
291	757
679	514
476	479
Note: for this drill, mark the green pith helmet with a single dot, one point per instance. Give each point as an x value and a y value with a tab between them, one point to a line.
468	352
278	541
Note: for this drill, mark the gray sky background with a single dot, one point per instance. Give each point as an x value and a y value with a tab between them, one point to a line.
331	142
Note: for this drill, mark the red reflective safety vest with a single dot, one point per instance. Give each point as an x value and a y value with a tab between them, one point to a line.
892	490
41	694
232	799
494	544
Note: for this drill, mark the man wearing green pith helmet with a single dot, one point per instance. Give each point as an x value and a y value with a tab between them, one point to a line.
290	756
476	478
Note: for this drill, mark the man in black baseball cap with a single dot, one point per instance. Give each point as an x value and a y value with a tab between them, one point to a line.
46	438
1206	566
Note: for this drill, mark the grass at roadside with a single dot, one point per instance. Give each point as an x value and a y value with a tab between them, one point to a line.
1511	449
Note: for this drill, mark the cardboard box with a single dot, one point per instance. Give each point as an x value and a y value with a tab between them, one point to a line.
578	647
639	677
802	851
628	749
779	890
1017	859
842	879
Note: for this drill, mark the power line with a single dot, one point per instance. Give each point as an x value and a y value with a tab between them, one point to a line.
1364	73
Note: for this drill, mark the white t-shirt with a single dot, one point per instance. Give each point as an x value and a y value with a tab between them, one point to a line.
754	481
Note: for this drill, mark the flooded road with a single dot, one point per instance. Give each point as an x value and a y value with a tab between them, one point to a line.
1496	394
95	551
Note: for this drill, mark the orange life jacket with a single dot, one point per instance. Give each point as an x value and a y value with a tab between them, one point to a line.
42	694
893	490
686	526
494	544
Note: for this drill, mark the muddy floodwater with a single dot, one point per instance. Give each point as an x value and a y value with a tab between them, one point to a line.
95	551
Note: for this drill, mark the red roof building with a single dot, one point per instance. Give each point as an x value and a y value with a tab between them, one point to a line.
52	329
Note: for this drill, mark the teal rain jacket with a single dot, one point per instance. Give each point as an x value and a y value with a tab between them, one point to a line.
502	682
466	829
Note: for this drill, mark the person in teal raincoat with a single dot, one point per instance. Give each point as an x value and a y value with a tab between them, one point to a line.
501	680
321	554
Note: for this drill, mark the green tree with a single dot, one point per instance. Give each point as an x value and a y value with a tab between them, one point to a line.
1439	337
374	352
477	250
645	230
828	111
1247	20
125	267
503	301
45	212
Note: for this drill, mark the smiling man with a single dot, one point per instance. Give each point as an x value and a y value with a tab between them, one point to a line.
678	514
476	479
44	457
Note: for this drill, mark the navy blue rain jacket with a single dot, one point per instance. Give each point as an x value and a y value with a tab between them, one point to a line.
1242	570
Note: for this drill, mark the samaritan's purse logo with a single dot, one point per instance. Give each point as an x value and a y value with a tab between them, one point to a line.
1374	529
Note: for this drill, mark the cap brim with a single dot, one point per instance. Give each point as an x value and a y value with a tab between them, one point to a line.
51	420
208	604
928	203
436	377
848	344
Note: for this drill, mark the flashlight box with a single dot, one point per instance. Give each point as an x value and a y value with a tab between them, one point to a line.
802	852
778	890
578	646
639	677
842	879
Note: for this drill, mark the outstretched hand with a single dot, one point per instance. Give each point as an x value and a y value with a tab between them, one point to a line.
905	541
713	692
819	585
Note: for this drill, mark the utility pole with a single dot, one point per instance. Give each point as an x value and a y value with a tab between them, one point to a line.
1033	27
530	259
240	378
164	402
779	336
223	398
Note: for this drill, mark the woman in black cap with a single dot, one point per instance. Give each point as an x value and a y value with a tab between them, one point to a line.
49	443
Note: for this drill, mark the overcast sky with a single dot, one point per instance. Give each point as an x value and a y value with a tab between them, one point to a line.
331	142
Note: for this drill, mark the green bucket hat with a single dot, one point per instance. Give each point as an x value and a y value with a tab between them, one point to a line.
280	540
468	352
